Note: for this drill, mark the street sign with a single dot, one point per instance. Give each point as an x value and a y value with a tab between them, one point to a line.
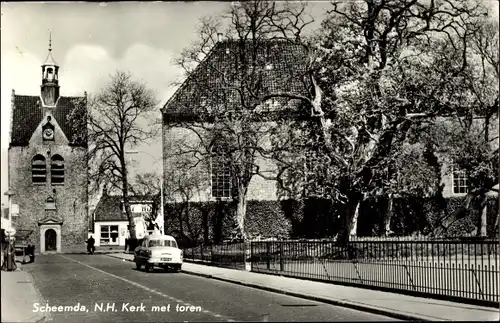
10	231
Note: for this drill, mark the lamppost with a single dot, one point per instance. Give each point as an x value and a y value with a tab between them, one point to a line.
9	194
9	257
133	152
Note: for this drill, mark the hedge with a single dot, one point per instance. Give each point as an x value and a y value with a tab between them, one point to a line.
213	222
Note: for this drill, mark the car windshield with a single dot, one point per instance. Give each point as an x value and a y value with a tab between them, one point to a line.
162	243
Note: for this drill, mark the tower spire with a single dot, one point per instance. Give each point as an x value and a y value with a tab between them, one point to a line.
50	78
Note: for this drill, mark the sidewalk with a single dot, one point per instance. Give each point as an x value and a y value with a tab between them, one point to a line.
390	304
18	296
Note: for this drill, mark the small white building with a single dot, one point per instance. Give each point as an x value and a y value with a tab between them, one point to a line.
110	221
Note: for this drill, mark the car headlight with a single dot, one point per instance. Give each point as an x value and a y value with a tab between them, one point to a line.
182	254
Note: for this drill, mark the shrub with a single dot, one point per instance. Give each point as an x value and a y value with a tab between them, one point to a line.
267	220
213	222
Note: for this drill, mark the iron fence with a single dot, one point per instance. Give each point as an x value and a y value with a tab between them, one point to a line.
466	270
230	255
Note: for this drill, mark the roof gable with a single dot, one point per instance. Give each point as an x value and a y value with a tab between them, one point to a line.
28	114
281	64
109	207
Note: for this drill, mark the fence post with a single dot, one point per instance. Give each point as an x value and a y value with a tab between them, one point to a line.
268	255
282	261
211	252
248	263
201	251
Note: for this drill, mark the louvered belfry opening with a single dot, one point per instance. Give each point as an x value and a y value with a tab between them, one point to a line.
57	170
38	169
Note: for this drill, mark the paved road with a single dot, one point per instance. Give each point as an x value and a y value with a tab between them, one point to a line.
69	280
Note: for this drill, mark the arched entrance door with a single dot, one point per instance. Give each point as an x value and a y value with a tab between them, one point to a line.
50	240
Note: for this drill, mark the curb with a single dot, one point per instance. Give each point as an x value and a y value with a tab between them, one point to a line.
351	305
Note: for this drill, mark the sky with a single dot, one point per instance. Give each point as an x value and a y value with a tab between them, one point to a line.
92	40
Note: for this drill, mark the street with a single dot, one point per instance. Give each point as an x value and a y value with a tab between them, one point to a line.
98	288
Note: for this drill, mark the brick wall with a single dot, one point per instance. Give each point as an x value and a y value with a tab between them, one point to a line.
259	189
71	198
263	189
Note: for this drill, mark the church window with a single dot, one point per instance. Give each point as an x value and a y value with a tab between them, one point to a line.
220	172
38	169
460	181
57	170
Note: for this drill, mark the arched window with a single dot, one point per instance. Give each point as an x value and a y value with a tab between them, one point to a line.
220	170
38	169
57	170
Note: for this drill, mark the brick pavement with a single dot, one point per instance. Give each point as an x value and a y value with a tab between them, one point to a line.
391	304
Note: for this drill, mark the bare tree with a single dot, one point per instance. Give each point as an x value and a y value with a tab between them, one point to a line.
117	120
182	187
231	129
148	185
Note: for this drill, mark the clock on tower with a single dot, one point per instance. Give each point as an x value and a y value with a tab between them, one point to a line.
48	130
48	134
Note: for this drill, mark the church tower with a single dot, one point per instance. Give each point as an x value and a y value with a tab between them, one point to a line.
48	165
50	79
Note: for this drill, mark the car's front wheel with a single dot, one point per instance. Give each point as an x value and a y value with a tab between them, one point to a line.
148	267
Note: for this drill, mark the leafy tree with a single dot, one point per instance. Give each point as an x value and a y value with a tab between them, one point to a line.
468	140
378	69
117	121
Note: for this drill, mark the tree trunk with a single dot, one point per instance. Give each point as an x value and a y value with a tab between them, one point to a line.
484	221
351	211
132	229
354	222
479	211
386	229
241	210
496	228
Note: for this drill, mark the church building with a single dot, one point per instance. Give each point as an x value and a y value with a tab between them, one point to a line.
47	163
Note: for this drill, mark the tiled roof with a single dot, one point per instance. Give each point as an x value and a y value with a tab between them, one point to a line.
109	207
281	64
27	115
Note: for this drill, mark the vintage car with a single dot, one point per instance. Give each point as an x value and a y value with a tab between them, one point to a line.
158	251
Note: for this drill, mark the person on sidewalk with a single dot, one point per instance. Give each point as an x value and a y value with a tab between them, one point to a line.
90	245
31	253
9	251
127	237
